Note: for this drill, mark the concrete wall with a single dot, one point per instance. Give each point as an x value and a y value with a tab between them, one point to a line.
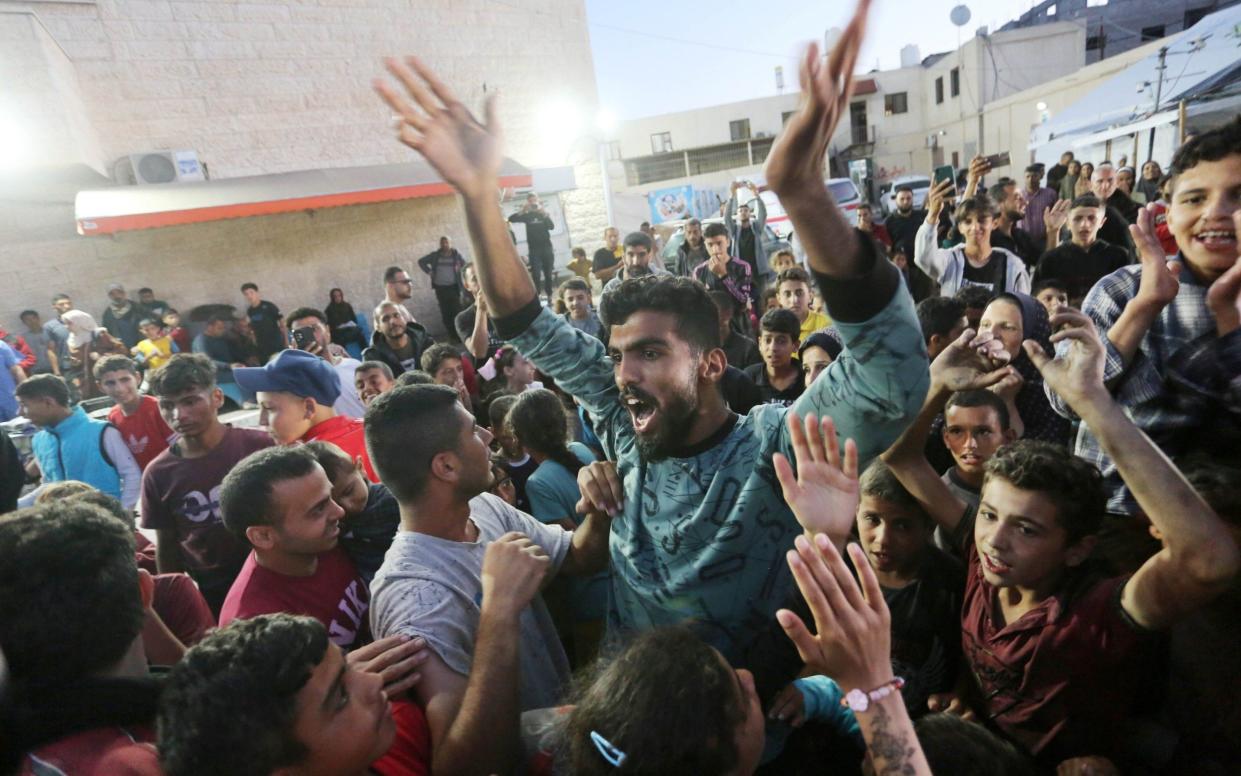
261	88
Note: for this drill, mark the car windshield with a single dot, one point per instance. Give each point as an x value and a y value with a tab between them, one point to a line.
842	190
920	183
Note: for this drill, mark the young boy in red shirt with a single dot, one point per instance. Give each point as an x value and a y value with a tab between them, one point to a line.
1057	647
143	428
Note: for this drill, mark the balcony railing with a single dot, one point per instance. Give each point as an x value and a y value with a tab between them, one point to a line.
697	161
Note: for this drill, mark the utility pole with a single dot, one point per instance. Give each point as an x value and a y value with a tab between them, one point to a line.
1163	65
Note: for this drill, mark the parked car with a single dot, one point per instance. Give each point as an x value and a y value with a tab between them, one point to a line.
920	184
843	190
772	241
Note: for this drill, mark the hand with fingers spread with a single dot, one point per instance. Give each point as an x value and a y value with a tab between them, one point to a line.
602	491
796	163
1224	295
1077	373
935	201
395	658
1055	217
513	572
971	361
1160	280
466	152
824	493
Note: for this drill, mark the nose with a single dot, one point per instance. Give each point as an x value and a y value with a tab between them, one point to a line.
971	441
880	537
485	435
627	372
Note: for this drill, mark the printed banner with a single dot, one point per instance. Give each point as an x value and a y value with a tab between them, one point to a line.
672	204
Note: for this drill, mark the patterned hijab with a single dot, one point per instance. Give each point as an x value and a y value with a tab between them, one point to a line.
1041	421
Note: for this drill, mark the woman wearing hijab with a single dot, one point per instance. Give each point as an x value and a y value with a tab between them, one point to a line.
1012	318
88	342
342	322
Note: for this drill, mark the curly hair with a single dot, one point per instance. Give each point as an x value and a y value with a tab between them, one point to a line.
666	680
183	372
539	422
686	300
230	705
1074	485
50	628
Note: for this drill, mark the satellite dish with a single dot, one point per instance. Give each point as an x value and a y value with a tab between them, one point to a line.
960	15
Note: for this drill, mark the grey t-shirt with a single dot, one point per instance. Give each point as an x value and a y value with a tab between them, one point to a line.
433	588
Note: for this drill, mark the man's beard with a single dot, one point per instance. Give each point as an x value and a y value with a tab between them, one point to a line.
904	210
637	271
676	420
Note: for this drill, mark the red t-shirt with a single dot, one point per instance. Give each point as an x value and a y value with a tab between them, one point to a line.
1064	679
108	751
347	434
335	595
410	753
145	432
182	608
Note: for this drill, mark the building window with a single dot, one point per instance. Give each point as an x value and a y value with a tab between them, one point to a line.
1152	33
661	142
895	103
739	129
939	90
1051	10
954	76
614	151
1095	42
785	116
857	122
1095	3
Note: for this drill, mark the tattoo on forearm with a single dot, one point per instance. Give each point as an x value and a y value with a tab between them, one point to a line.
890	752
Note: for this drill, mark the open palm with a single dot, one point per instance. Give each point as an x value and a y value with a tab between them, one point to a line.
467	153
823	494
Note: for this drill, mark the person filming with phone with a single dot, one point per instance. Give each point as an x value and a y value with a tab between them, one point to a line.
308	331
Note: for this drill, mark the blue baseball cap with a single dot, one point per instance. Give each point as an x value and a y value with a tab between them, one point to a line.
293	371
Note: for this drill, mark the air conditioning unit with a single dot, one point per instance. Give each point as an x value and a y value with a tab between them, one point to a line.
166	167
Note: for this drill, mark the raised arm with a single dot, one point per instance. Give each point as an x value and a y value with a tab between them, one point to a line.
969	362
480	338
1158	287
978	168
1199	558
467	154
927	254
795	167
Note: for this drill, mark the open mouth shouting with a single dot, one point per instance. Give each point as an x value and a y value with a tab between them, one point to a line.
642	409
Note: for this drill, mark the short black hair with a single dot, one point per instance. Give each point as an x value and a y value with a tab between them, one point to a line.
221	316
974	296
61	295
724	301
1210	146
114	363
977	206
245	493
879	481
307	312
366	366
998	190
415	377
24	313
391	272
435	355
794	275
335	461
697	319
1085	200
963	748
573	284
1073	484
639	240
230	704
405	429
49	629
714	229
1035	168
781	321
183	372
903	187
145	290
980	397
51	387
939	315
248	286
1045	283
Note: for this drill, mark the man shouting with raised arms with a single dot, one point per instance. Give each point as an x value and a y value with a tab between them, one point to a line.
700	526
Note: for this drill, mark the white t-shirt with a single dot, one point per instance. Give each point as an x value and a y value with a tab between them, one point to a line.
349	404
432	587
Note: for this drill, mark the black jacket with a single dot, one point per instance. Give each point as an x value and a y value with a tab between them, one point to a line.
380	350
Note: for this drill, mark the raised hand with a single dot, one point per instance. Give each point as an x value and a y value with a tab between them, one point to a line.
853	641
1160	279
971	361
1224	295
978	168
824	493
513	571
935	200
467	153
1077	373
1056	216
796	162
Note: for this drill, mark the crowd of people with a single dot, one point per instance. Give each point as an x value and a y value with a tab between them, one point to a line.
952	493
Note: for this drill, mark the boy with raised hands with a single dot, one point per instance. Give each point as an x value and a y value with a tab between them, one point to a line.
702	526
1054	644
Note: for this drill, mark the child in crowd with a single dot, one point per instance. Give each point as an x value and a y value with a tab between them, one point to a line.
975	299
779	377
178	333
372	516
154	351
574	295
1052	293
580	265
770	299
976	426
501	483
783	260
516	461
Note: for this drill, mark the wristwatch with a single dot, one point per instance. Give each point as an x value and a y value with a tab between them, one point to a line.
859	700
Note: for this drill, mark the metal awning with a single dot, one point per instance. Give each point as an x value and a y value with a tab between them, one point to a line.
125	208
